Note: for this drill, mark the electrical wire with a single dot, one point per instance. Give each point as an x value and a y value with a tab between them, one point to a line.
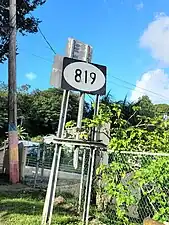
129	88
35	55
40	31
155	93
110	82
50	46
44	37
52	49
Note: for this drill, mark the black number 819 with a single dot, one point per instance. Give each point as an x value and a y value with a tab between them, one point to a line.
78	76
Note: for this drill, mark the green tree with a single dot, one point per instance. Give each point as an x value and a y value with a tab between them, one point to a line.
43	115
147	108
161	109
130	111
25	22
38	111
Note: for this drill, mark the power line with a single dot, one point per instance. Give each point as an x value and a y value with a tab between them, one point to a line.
155	93
42	34
123	86
35	55
50	46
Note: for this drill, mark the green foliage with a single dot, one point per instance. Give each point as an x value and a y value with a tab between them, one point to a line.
21	133
25	22
44	113
38	111
126	186
149	134
148	174
146	107
70	124
37	139
153	179
161	109
115	193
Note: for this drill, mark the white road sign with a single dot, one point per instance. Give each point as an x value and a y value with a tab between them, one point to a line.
84	77
80	50
56	75
75	49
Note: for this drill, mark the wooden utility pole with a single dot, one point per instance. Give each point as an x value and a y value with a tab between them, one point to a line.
12	98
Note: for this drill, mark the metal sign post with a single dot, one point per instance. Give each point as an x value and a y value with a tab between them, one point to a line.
89	78
86	57
72	48
50	194
90	170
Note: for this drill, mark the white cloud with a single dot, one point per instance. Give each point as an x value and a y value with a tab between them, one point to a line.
156	81
31	76
156	38
139	6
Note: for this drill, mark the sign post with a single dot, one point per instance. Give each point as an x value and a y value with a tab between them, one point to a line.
89	78
90	170
81	52
75	49
51	190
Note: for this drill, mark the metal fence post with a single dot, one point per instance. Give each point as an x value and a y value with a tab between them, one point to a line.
43	159
90	186
37	165
87	186
81	180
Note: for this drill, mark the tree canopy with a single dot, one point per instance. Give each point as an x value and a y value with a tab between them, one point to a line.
38	111
146	107
25	22
161	109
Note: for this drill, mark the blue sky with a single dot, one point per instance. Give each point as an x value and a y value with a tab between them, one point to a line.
130	37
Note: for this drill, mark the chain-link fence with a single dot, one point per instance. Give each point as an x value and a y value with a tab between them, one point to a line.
134	186
38	166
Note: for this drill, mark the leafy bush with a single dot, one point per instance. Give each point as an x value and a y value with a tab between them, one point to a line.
133	181
145	189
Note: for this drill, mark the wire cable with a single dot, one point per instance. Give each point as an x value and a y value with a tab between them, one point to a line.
40	31
155	93
129	88
50	46
35	55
